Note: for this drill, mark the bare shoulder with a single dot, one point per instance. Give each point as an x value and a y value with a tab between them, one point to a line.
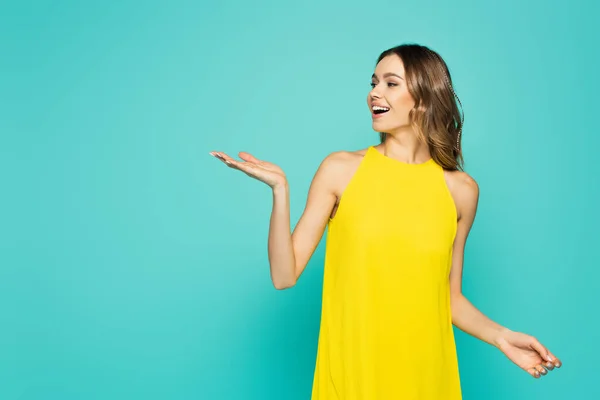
343	159
465	192
340	166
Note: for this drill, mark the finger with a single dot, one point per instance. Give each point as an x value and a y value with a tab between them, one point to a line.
533	372
221	156
216	155
246	166
541	369
224	157
540	348
549	366
248	157
248	169
557	363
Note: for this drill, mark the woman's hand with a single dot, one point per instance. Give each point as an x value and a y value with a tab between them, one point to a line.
527	352
263	171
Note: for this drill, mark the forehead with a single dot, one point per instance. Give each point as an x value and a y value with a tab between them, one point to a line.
391	63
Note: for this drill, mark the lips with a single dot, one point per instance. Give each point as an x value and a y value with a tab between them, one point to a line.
378	111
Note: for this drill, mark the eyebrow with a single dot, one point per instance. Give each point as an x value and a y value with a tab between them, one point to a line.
388	74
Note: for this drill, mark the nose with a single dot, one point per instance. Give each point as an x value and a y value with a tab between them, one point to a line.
373	94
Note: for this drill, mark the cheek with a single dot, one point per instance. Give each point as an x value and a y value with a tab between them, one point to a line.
403	102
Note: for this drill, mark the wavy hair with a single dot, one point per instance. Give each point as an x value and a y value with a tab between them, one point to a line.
435	117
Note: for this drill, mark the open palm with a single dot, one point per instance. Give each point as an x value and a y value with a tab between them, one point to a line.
261	170
528	353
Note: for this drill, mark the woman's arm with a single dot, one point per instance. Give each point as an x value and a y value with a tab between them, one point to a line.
289	253
524	350
472	321
464	315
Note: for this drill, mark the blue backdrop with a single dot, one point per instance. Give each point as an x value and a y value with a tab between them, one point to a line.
133	265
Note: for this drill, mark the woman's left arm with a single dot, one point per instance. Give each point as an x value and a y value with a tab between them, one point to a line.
524	350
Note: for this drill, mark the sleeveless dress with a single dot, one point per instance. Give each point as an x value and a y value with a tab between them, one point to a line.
386	325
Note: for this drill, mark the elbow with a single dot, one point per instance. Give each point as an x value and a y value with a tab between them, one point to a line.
285	282
455	296
283	285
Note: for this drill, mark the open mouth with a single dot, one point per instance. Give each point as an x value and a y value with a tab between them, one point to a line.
379	110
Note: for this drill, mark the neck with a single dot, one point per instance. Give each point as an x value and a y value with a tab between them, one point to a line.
406	148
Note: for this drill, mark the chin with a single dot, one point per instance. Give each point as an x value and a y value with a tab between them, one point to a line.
378	126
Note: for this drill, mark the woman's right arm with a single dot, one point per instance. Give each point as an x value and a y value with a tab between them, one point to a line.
288	252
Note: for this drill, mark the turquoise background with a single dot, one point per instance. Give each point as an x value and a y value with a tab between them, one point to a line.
133	265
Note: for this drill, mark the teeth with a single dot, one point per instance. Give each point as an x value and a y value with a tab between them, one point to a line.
377	108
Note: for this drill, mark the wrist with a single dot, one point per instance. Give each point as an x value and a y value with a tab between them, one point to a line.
280	187
500	338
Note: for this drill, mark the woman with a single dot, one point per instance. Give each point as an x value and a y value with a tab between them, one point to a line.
398	215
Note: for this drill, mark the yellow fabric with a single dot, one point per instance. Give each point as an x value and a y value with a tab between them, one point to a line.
386	326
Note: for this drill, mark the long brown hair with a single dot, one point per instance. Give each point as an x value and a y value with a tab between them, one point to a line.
435	118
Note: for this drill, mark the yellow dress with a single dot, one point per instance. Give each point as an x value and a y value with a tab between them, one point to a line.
386	325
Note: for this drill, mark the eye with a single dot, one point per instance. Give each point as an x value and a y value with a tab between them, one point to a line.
392	84
373	84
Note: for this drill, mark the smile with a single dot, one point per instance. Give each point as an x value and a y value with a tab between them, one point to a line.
378	111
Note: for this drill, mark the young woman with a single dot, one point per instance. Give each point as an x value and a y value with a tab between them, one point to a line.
398	215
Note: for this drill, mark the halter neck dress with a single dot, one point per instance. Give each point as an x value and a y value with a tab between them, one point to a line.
386	326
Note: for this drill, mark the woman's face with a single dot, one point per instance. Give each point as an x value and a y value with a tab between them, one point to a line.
390	93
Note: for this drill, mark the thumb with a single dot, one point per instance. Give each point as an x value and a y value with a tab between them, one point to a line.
541	349
248	157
